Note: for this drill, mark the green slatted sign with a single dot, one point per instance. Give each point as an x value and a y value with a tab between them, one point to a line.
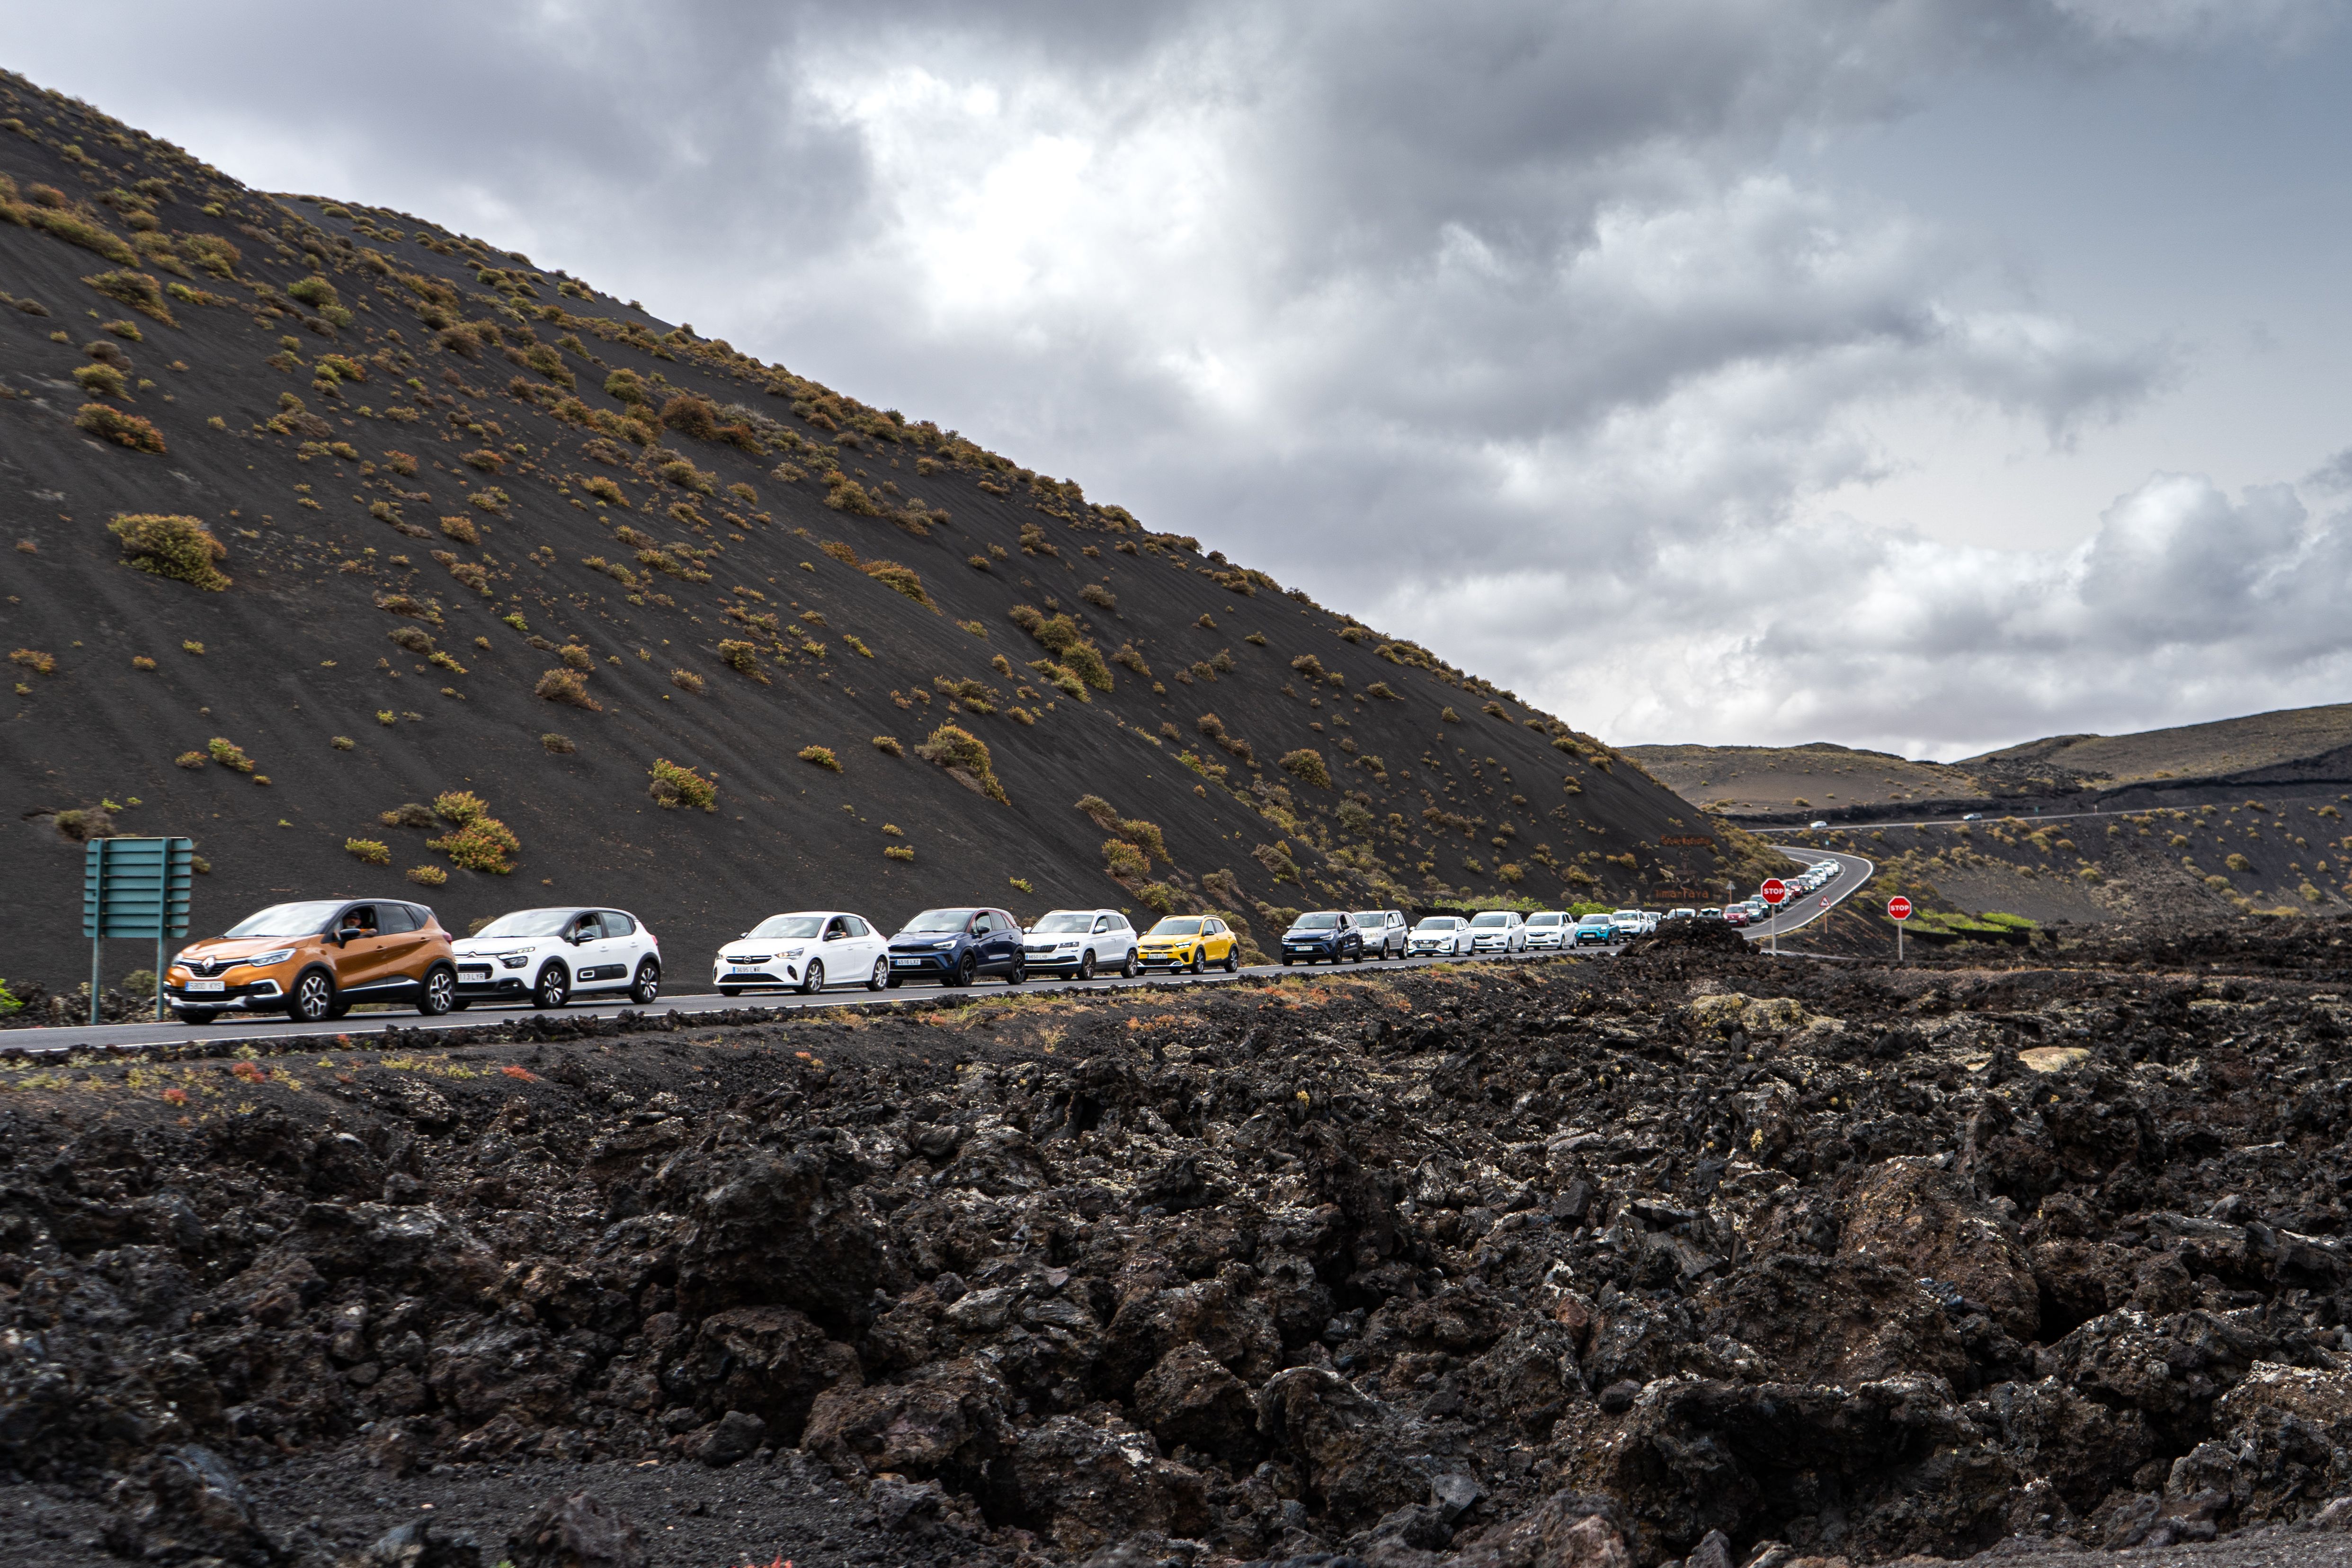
135	888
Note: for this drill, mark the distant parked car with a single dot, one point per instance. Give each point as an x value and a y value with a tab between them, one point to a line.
1439	936
1627	924
1592	931
1973	816
1190	942
549	956
1078	942
1710	914
1497	930
1546	929
1384	932
956	947
807	950
1322	933
1682	914
1738	915
1817	824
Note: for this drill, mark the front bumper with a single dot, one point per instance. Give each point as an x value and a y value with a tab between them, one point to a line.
251	996
1428	949
1491	944
922	965
1549	938
1052	959
1165	957
776	971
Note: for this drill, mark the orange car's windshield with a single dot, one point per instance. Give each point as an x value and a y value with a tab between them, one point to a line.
286	919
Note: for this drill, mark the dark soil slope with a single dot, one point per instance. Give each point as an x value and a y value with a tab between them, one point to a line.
464	504
1568	1263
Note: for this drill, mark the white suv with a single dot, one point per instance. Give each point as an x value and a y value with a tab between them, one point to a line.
1497	930
546	957
1078	942
1384	932
1545	929
807	950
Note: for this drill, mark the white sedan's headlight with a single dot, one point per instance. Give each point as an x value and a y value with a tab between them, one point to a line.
513	959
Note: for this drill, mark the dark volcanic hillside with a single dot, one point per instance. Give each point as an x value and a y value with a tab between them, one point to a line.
483	529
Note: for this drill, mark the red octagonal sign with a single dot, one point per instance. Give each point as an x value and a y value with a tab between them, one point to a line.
1773	891
1899	908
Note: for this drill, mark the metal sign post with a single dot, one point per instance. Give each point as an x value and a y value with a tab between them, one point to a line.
135	888
1772	892
1898	909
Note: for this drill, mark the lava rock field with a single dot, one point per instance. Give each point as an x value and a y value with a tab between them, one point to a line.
1686	1256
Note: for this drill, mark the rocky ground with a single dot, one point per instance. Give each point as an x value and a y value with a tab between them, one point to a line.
1684	1256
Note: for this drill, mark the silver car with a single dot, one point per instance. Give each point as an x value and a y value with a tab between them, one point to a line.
1384	932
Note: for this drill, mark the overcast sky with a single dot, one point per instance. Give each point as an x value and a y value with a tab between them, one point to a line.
1924	376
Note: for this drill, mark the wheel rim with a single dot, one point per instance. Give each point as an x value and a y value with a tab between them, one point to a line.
1087	966
310	996
881	973
440	990
965	970
648	983
814	980
553	987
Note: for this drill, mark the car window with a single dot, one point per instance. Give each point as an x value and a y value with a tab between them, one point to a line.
1488	920
619	924
982	923
856	927
1102	925
286	919
587	928
1318	921
834	929
792	928
359	917
941	921
397	917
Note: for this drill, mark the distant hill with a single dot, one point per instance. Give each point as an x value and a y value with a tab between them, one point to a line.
321	511
2294	745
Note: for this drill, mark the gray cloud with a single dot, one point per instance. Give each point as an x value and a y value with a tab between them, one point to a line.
1509	329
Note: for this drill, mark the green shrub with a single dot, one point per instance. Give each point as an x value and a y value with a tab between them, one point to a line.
965	756
482	843
123	430
1449	715
427	875
343	744
744	658
557	745
136	289
673	787
1159	897
1307	764
34	660
459	806
229	754
822	756
1380	690
369	851
889	746
190	760
898	852
685	680
315	293
99	380
1095	594
1124	860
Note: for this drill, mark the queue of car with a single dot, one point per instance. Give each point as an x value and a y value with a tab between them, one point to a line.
315	959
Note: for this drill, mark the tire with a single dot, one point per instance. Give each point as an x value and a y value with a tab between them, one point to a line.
1130	969
812	978
730	991
1285	961
313	1000
891	984
966	971
1233	960
881	975
460	1004
341	1008
1018	973
1086	966
439	993
1196	965
646	986
195	1015
553	987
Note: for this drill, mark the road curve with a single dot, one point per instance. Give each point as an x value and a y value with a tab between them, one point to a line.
1807	908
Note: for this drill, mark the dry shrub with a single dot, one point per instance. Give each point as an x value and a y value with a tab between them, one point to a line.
689	414
889	746
427	875
1307	764
822	756
1096	594
568	687
229	754
123	430
368	851
901	580
742	658
136	289
965	757
685	680
557	745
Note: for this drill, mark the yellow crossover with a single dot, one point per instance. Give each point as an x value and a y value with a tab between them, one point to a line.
1191	943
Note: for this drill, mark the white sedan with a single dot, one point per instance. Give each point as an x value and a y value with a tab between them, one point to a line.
1546	929
1439	936
806	951
546	957
1078	942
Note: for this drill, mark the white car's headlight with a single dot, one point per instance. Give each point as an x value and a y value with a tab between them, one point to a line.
513	959
790	952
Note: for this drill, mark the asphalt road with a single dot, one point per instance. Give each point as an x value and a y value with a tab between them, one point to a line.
1943	821
268	1025
1806	908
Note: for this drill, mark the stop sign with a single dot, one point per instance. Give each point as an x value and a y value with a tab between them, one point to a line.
1899	908
1773	891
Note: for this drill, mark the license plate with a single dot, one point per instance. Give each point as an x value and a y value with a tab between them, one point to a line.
207	984
906	964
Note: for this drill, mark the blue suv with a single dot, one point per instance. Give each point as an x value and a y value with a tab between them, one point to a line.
955	947
1322	933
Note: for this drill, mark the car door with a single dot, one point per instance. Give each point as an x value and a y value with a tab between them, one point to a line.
360	958
600	955
624	943
400	954
865	945
1104	941
1005	941
987	954
1215	943
1396	933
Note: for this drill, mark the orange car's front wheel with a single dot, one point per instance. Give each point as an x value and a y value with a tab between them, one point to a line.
313	1000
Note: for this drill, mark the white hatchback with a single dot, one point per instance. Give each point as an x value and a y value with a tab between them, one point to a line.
546	957
1546	929
806	951
1078	942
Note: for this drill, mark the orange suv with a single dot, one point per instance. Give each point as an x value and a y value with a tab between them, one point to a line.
313	960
